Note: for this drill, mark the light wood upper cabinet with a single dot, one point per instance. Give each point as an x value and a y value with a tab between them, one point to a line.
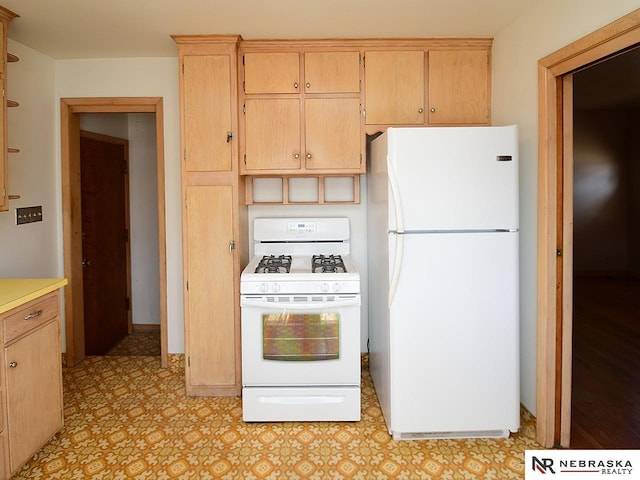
332	72
332	133
302	110
458	87
455	90
272	140
207	112
272	72
394	87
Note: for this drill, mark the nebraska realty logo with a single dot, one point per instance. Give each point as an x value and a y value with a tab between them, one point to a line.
582	464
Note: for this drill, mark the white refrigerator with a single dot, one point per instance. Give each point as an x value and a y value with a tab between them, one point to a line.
443	281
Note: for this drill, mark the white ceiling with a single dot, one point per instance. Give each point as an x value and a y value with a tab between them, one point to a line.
141	28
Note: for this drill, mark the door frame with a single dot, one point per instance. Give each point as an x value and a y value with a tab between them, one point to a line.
70	110
555	219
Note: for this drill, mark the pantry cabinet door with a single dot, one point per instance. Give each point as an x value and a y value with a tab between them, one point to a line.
272	134
394	87
459	87
211	340
332	72
272	72
207	112
333	134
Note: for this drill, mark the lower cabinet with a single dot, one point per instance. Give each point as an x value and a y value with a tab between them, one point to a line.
31	380
211	334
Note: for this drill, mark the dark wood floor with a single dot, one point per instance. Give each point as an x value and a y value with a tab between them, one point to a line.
606	363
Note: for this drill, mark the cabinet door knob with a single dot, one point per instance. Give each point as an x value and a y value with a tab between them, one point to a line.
295	85
308	155
13	364
433	109
296	156
420	110
308	85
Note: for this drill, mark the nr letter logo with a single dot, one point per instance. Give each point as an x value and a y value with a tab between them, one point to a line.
543	465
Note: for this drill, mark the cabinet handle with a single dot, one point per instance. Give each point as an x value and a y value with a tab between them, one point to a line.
33	315
295	85
308	155
308	85
232	245
229	136
296	156
433	109
420	110
13	364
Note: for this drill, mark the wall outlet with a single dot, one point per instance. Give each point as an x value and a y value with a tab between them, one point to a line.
28	215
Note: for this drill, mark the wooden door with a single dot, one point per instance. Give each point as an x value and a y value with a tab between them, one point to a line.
459	87
105	241
34	392
333	139
272	72
207	134
211	340
332	72
394	87
272	134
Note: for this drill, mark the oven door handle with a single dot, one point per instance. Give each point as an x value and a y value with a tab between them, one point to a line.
351	302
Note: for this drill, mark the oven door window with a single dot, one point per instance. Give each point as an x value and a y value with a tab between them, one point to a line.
300	337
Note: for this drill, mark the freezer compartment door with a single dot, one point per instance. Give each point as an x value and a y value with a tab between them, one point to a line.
454	178
454	325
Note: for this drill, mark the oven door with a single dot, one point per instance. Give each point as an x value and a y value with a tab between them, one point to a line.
300	340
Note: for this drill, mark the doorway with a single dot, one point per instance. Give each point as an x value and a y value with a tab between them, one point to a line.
71	110
606	260
555	219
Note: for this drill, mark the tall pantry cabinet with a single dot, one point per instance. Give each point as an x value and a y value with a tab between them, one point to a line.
213	220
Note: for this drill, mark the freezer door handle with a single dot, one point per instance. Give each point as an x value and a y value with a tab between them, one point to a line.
395	195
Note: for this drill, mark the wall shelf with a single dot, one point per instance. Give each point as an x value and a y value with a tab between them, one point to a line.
302	190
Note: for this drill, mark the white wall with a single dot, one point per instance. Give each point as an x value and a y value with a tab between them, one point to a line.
32	250
140	77
547	27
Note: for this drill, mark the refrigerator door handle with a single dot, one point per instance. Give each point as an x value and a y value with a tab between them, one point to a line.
395	194
397	266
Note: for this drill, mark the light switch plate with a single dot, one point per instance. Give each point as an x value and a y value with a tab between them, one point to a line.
28	215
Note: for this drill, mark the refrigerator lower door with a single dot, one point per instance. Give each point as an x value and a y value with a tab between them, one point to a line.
454	356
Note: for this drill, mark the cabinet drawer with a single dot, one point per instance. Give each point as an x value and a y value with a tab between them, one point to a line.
30	316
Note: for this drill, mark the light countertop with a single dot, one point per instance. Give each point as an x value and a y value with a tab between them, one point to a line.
18	291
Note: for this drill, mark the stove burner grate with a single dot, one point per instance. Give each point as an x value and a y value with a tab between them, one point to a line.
274	264
327	264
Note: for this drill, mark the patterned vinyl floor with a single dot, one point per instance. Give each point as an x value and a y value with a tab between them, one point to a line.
126	417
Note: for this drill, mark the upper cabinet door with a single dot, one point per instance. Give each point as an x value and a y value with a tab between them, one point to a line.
272	72
332	72
333	134
207	112
459	87
394	87
272	134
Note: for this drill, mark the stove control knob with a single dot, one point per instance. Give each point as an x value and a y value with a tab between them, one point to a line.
336	287
264	287
275	287
324	287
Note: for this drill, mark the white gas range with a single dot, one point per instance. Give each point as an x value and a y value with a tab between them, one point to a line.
300	299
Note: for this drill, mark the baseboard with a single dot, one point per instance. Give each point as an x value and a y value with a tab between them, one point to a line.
145	328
